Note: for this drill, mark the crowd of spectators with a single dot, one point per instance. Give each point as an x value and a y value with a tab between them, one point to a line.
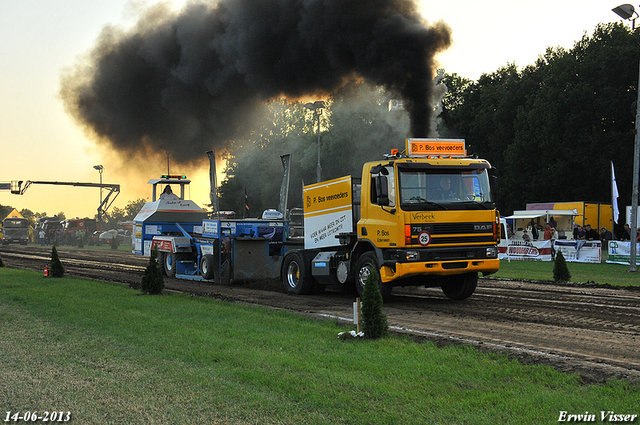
550	232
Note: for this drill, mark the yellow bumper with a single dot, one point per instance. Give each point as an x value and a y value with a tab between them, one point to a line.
485	266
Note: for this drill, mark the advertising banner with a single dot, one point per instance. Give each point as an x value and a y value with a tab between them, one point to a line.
327	212
528	251
573	251
620	252
580	251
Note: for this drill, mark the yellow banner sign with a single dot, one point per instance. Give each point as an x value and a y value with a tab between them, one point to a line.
436	147
327	196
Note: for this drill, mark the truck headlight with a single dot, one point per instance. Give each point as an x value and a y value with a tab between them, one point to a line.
492	252
412	255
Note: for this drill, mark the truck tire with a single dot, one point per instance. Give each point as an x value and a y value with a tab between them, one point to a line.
461	286
160	261
207	266
294	275
169	264
366	264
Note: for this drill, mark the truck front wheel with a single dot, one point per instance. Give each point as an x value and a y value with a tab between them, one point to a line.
461	286
160	261
207	266
169	263
294	275
366	264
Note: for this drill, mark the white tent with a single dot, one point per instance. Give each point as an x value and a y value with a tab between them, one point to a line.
564	220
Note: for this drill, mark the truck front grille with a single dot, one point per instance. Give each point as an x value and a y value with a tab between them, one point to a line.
454	233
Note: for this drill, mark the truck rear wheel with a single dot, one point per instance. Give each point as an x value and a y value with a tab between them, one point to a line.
461	286
366	264
294	275
207	266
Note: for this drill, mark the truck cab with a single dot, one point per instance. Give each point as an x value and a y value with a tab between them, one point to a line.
430	219
15	230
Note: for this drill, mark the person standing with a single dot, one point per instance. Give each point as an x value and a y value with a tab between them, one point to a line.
554	236
41	235
533	227
605	237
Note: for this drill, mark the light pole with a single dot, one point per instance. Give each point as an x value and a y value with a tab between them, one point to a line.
626	11
317	107
100	169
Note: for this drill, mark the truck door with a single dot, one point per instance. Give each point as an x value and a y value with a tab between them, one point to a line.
379	221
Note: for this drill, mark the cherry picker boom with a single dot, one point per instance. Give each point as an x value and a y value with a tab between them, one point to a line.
19	187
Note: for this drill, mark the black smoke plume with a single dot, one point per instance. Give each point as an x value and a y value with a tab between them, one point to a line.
188	81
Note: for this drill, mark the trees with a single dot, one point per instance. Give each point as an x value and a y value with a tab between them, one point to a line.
129	212
560	270
29	215
374	321
551	124
152	281
56	267
578	119
5	210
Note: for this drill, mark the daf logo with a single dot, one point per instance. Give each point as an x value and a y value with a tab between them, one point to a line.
482	227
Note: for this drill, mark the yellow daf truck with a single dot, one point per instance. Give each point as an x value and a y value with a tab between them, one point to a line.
426	217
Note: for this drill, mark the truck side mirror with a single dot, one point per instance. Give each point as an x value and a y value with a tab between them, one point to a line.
494	187
379	169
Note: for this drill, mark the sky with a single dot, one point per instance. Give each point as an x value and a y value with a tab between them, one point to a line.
41	38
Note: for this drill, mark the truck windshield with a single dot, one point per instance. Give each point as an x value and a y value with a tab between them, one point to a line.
15	222
444	189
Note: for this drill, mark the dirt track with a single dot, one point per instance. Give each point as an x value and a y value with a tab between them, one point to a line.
587	329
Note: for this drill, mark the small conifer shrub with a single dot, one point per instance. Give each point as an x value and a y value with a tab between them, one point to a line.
152	280
56	269
1	262
374	322
114	242
560	270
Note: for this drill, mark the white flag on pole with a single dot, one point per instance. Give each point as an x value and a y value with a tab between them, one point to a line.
614	195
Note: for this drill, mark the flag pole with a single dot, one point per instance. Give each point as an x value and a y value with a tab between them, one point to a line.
613	199
634	193
615	210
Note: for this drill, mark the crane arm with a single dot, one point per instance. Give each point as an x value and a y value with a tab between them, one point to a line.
17	188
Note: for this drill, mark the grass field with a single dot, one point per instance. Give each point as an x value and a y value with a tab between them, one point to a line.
603	273
108	355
